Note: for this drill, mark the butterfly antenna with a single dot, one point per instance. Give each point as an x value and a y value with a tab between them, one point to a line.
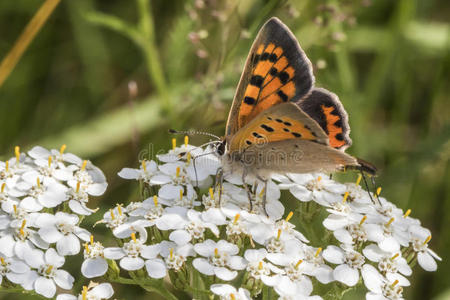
194	132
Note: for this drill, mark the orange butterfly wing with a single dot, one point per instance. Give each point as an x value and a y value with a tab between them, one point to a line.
276	71
281	122
326	109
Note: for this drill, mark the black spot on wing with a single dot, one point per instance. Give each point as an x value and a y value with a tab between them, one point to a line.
265	56
338	123
256	80
273	71
249	100
267	128
296	134
284	77
273	57
282	95
257	135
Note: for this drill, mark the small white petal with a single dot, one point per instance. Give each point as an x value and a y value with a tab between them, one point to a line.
255	255
389	244
128	173
203	266
237	263
34	258
80	209
7	245
214	216
426	261
301	193
225	246
206	248
324	274
222	289
343	236
50	234
224	273
52	257
346	275
181	237
373	252
63	279
131	263
68	245
97	189
402	281
114	253
18	266
151	251
170	221
156	268
103	291
333	254
373	280
94	267
160	179
45	287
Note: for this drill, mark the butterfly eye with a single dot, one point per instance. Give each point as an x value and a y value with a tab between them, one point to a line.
221	148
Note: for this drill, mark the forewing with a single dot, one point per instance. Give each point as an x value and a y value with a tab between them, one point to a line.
326	109
277	70
295	156
284	121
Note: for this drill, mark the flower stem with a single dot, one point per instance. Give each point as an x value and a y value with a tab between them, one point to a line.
156	286
18	290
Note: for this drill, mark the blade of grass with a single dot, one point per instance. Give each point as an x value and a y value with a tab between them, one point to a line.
24	40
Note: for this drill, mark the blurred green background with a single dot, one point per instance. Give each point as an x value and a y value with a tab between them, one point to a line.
108	78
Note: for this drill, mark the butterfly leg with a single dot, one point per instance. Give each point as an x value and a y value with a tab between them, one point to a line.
219	183
195	171
247	189
376	192
368	189
264	194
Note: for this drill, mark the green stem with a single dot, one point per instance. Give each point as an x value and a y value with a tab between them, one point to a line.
123	280
160	289
20	290
197	291
156	286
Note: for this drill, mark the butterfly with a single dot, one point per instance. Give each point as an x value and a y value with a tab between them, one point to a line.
279	121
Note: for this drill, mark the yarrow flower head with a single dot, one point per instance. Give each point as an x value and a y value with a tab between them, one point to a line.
44	195
194	225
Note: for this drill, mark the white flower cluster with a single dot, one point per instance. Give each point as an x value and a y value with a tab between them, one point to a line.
188	223
43	197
